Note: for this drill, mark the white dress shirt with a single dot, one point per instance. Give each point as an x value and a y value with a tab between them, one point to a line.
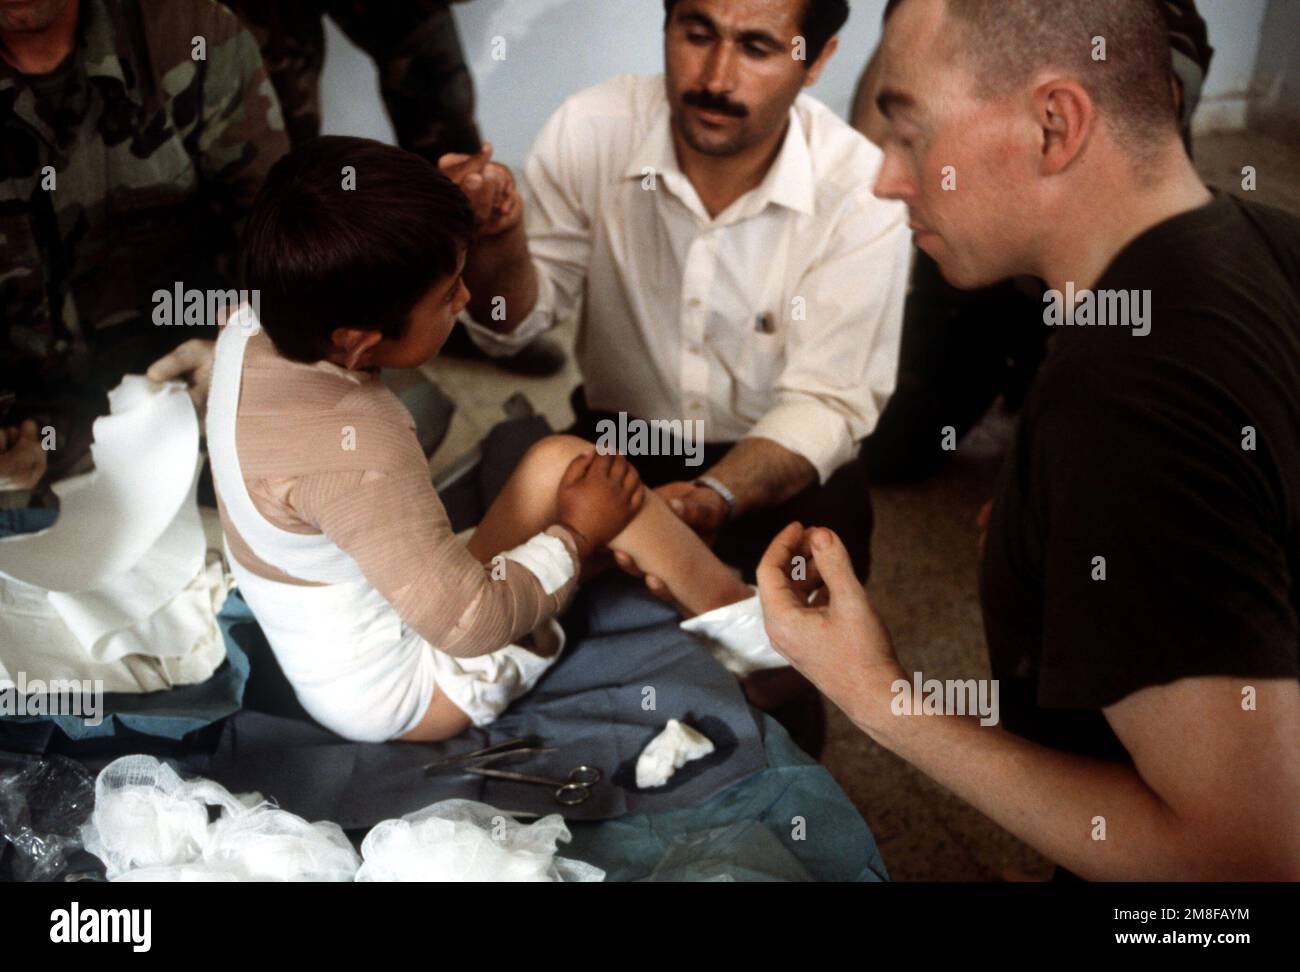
780	318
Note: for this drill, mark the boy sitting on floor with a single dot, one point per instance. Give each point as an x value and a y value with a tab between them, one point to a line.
387	624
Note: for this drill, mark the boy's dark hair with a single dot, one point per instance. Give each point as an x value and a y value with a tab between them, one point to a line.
324	256
822	20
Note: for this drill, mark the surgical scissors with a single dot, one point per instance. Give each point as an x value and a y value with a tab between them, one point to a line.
512	747
569	793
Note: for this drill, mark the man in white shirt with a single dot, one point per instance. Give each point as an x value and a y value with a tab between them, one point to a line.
714	233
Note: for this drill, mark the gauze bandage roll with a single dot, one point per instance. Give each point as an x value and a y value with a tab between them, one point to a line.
461	840
149	824
736	637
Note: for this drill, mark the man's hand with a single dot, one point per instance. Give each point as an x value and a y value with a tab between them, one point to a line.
191	363
22	460
702	509
836	639
489	187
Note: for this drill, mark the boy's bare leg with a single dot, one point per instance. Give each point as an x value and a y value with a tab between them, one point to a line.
660	543
443	719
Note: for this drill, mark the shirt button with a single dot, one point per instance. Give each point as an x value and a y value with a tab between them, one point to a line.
695	302
694	349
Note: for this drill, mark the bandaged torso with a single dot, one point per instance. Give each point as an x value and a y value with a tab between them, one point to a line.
344	551
327	450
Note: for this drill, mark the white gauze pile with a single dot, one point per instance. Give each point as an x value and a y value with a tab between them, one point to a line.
461	840
150	825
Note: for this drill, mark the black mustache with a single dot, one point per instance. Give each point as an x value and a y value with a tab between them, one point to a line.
702	99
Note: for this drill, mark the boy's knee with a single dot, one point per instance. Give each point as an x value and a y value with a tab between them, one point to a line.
555	452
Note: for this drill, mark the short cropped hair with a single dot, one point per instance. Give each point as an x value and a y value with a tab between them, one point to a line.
349	232
822	20
1007	41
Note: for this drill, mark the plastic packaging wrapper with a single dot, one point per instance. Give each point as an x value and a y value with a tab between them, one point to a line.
149	824
743	851
462	840
43	803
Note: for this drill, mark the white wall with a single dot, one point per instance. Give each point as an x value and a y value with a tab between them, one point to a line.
1234	35
552	49
1275	106
556	47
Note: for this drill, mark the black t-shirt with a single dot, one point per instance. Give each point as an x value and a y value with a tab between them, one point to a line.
1138	450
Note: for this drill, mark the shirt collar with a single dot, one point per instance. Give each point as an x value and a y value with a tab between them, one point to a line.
101	54
96	54
788	182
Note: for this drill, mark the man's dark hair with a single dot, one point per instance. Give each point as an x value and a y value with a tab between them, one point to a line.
329	246
1006	41
822	20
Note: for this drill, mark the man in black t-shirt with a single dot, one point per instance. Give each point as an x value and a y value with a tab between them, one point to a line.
1141	577
1146	527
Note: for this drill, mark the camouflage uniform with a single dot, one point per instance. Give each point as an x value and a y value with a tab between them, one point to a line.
128	169
424	80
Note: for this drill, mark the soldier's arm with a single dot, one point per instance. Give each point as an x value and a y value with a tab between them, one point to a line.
240	132
425	82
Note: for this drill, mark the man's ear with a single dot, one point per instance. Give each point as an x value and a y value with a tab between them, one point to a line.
353	346
1065	113
816	67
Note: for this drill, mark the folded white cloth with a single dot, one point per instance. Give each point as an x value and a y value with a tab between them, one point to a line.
119	589
736	636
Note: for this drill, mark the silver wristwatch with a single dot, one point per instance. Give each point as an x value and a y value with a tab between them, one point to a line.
720	488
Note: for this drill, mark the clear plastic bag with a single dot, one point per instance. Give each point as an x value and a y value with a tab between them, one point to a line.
43	803
149	824
461	840
747	850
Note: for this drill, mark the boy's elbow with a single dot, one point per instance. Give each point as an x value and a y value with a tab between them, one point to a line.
482	628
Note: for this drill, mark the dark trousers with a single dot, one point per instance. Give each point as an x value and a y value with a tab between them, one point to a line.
960	351
843	503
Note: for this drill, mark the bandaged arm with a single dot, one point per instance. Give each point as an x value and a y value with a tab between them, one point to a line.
395	527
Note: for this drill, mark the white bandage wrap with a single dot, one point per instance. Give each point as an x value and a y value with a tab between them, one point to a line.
483	687
546	558
736	637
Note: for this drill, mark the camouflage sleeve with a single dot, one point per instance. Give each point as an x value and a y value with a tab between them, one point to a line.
291	38
423	76
240	132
